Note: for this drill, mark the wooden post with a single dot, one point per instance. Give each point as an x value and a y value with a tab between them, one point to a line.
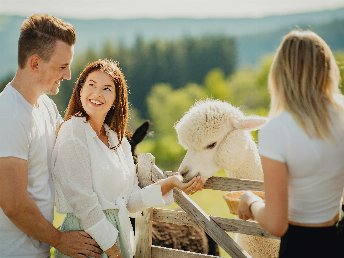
143	234
143	223
145	162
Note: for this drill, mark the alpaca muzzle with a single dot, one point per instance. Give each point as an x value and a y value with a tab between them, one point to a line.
187	175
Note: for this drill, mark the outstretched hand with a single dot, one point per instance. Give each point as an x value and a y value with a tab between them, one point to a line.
191	187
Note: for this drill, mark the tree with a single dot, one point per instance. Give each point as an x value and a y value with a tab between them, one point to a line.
250	88
166	106
340	62
5	80
216	85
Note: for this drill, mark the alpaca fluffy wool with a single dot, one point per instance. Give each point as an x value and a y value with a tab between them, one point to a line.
213	121
238	155
206	122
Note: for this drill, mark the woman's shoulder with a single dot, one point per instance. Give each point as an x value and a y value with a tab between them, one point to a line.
72	127
277	128
282	120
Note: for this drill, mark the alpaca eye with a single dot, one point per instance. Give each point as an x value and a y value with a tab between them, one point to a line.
211	146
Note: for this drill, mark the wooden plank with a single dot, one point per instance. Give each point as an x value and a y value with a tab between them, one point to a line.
171	216
143	233
163	252
229	184
146	161
203	220
242	227
233	184
229	225
209	226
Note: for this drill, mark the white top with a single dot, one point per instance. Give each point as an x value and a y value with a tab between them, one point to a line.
90	178
28	133
316	167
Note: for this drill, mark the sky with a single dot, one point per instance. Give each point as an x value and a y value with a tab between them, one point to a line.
119	9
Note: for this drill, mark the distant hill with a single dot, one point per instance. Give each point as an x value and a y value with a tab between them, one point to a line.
255	36
252	47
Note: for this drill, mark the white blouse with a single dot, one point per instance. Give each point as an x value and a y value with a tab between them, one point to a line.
90	178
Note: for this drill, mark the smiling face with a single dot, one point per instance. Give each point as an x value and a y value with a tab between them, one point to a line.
99	86
56	69
98	94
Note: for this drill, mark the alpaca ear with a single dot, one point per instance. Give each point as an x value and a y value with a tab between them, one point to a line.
140	133
250	123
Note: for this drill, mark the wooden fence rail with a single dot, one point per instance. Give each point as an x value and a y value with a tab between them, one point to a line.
215	227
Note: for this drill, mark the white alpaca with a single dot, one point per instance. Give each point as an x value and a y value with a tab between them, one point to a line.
216	135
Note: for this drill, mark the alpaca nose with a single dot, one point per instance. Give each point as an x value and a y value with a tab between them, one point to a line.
184	171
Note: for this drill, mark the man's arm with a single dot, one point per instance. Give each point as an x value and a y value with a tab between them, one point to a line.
21	209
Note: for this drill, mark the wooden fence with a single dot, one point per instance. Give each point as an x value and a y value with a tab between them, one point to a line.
215	227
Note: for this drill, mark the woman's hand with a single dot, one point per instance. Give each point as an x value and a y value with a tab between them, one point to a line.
194	185
113	252
246	202
176	181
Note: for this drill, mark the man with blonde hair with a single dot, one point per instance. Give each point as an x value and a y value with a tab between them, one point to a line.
29	120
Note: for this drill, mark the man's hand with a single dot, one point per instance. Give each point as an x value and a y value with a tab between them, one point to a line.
114	252
78	244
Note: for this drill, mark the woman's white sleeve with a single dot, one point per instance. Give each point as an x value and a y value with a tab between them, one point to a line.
149	196
72	171
273	142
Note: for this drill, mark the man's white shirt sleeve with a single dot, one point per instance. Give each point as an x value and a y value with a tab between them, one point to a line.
14	138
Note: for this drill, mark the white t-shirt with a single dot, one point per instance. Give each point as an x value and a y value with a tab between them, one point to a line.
28	133
316	167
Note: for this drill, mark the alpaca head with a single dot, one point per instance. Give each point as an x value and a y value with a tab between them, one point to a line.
210	131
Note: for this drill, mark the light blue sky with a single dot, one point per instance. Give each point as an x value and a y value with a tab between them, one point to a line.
164	8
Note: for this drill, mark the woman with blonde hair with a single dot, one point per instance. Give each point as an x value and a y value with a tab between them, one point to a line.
93	169
302	150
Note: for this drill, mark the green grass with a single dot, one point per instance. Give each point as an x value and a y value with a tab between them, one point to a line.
210	201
